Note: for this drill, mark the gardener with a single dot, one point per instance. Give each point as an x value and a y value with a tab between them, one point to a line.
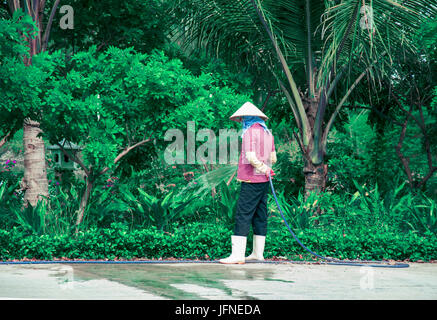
254	167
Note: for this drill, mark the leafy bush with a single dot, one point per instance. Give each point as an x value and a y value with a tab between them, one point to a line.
159	212
211	241
8	200
54	215
226	202
215	199
369	244
424	215
296	210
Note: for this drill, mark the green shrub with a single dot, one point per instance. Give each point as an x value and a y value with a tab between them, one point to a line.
373	244
212	241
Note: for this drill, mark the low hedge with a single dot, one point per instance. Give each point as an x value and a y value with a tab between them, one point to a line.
211	241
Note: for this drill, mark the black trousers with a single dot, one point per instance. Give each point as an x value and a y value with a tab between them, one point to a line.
252	209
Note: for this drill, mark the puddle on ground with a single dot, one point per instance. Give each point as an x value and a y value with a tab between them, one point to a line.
215	281
183	281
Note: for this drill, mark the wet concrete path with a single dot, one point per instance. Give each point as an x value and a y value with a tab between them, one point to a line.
217	282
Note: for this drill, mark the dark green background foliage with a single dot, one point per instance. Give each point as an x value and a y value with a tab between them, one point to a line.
138	24
127	73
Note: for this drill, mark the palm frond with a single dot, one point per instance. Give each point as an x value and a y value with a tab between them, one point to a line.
375	32
233	30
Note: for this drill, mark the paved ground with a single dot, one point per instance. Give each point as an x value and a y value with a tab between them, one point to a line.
216	281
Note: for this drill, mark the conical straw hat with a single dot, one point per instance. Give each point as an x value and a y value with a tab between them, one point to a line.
248	109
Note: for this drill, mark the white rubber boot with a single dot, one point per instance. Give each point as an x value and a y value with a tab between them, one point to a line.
238	250
258	248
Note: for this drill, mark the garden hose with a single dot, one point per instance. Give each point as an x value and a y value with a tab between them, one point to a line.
332	261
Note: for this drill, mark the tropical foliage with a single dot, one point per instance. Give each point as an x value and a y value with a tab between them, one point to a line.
311	49
349	87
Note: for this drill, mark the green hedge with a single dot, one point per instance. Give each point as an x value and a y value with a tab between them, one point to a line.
371	245
211	241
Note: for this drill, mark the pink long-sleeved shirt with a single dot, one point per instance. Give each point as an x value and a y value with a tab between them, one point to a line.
260	142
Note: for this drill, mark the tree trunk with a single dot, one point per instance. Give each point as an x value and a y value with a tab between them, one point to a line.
84	202
35	172
310	105
315	177
34	181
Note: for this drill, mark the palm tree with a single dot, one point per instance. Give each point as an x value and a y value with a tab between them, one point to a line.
34	181
311	49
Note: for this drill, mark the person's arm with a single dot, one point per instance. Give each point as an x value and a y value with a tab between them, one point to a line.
259	165
252	139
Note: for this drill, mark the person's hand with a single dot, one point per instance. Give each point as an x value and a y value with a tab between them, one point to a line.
272	173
